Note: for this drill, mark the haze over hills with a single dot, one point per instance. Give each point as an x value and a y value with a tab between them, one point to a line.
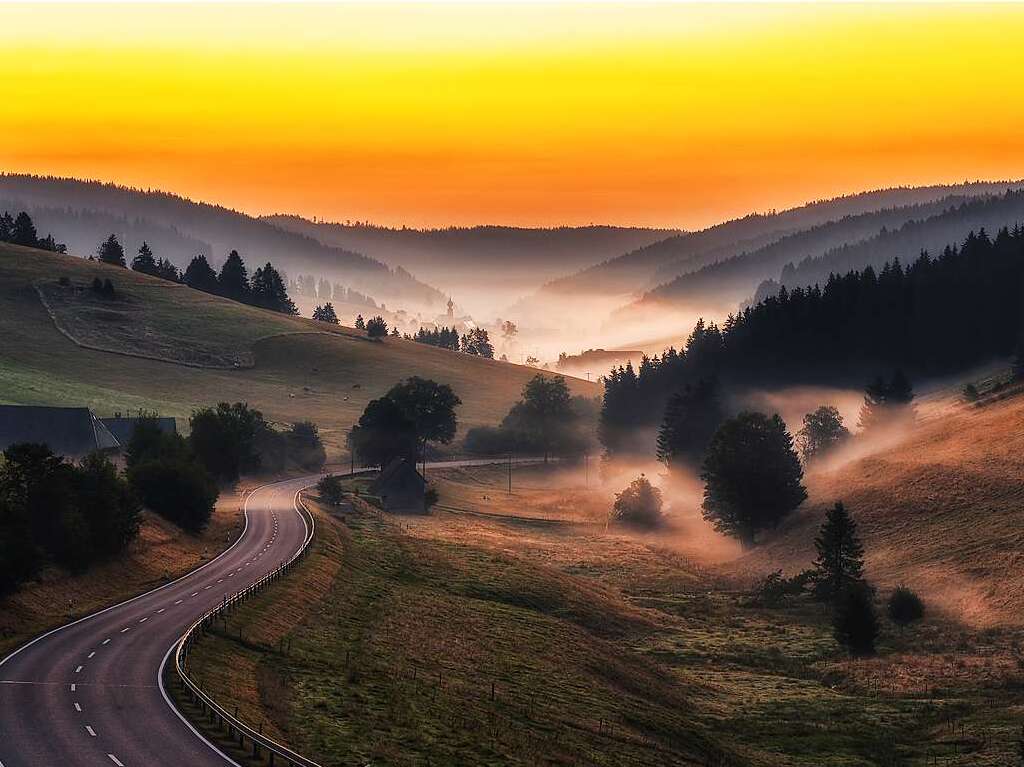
837	247
83	213
461	260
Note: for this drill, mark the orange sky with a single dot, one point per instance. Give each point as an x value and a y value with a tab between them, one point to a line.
538	114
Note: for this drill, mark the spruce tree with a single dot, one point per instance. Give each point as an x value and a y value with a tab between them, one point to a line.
23	231
326	313
691	418
376	327
6	226
144	261
840	562
268	291
110	251
233	280
360	322
200	275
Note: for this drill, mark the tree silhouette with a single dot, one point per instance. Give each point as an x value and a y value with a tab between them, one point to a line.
430	407
360	322
840	561
639	505
822	432
376	328
383	433
200	275
887	404
752	476
854	620
111	252
23	231
691	418
326	313
144	261
476	341
233	280
544	418
268	291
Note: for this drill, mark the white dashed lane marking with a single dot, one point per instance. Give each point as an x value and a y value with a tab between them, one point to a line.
179	601
93	653
115	760
143	620
78	670
72	688
106	641
90	730
160	610
78	707
126	628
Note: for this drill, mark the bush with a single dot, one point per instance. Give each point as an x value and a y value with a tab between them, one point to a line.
639	504
905	606
305	447
854	621
775	588
180	491
970	393
376	328
489	440
330	490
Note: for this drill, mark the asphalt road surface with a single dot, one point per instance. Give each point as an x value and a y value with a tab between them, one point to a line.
89	693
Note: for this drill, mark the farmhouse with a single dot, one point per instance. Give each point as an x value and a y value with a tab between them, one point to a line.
70	431
401	487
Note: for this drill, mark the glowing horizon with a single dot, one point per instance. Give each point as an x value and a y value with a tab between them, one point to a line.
535	115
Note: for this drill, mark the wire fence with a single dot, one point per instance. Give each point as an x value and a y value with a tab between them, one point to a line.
248	738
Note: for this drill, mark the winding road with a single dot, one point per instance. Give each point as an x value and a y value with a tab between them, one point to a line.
89	693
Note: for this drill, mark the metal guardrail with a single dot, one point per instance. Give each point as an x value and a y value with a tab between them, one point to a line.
261	745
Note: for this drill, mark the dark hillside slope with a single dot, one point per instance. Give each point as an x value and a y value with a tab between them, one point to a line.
850	243
80	212
634	271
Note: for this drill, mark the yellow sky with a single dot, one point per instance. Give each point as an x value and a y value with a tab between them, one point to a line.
427	114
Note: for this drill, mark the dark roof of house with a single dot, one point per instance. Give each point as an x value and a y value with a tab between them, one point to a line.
398	473
123	427
70	431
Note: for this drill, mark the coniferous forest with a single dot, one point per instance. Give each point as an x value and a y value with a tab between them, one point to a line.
938	315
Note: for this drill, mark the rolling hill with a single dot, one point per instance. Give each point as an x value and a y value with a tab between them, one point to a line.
171	349
939	511
690	251
83	213
810	256
464	259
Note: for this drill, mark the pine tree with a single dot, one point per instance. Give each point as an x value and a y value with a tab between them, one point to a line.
110	251
268	291
691	418
23	231
326	313
6	226
233	280
376	327
144	261
840	562
200	275
360	322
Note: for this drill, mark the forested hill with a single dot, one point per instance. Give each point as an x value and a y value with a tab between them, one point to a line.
937	315
634	271
854	242
83	213
452	253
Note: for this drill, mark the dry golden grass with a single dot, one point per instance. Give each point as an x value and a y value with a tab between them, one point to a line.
940	511
161	553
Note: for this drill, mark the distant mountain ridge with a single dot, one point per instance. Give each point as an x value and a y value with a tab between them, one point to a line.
82	213
455	255
645	267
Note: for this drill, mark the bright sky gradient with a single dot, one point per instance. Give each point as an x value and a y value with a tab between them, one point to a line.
538	114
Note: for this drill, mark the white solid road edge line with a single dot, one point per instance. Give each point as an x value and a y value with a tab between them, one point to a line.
163	663
189	574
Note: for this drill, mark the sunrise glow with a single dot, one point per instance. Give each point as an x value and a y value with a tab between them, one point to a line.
674	115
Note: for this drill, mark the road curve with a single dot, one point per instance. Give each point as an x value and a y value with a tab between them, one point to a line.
89	692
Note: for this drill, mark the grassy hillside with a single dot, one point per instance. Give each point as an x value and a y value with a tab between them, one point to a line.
940	511
83	213
299	369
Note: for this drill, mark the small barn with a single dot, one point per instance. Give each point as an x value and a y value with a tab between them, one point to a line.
73	432
401	488
123	427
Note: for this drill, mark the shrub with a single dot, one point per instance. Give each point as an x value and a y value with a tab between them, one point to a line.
854	621
305	447
489	440
639	504
905	606
970	393
775	588
330	490
376	327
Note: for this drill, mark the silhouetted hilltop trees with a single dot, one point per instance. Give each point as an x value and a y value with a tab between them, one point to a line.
110	251
928	234
446	338
266	289
938	315
179	227
690	251
21	230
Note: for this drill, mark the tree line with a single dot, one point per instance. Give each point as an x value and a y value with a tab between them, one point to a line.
20	230
939	315
73	515
476	341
